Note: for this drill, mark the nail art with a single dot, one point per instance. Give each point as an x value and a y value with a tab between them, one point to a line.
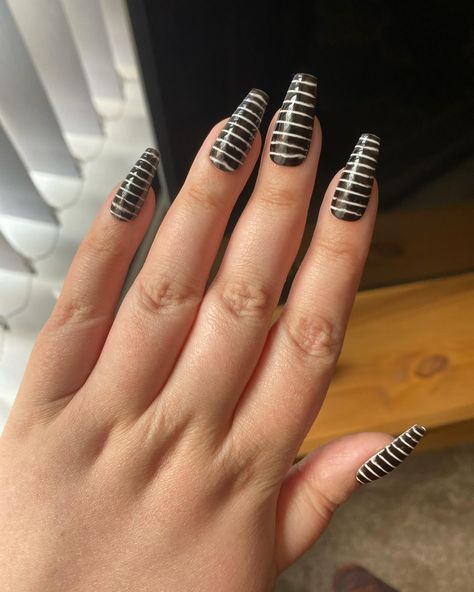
236	137
133	190
355	185
291	137
391	456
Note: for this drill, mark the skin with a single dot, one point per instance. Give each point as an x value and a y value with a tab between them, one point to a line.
152	450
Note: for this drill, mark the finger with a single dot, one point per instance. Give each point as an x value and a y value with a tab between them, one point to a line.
235	315
71	340
315	487
159	309
296	366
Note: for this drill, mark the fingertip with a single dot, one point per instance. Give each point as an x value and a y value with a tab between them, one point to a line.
140	221
352	195
315	145
335	464
234	140
352	235
217	164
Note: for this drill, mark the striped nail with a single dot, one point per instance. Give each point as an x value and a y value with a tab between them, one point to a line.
391	456
291	137
236	137
133	190
352	194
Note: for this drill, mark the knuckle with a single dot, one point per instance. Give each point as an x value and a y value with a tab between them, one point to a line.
313	337
103	242
245	299
164	293
72	311
338	252
278	196
200	193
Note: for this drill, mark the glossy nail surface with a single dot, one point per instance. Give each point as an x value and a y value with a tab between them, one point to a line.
236	137
353	190
391	456
291	137
133	190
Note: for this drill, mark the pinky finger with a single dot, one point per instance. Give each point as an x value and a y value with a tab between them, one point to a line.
72	338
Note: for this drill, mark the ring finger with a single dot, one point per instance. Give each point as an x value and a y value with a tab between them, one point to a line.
159	309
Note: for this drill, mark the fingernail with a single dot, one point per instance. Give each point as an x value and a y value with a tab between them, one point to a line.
236	137
352	194
291	137
391	456
133	190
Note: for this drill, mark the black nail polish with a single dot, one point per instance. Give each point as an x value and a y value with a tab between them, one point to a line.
235	139
391	456
355	185
133	190
291	137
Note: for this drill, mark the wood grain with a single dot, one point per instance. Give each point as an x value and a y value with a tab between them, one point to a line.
408	358
421	243
409	351
409	244
414	244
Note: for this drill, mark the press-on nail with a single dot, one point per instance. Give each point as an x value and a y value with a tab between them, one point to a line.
291	137
133	190
355	185
236	137
391	456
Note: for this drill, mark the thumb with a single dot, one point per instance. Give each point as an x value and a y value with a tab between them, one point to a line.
315	487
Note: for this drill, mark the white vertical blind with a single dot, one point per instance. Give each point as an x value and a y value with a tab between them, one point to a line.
25	110
31	302
46	206
88	30
11	260
18	196
118	28
45	29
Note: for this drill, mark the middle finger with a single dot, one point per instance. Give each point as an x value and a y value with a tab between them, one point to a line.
235	316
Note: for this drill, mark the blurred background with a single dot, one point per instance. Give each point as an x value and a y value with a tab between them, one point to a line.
86	85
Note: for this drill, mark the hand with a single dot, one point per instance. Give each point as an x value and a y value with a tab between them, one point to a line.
152	450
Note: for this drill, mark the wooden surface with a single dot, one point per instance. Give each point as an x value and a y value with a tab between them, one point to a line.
409	244
409	351
408	358
413	244
416	244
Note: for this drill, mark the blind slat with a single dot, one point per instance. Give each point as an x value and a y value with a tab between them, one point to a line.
44	29
88	30
10	260
117	24
25	110
18	196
